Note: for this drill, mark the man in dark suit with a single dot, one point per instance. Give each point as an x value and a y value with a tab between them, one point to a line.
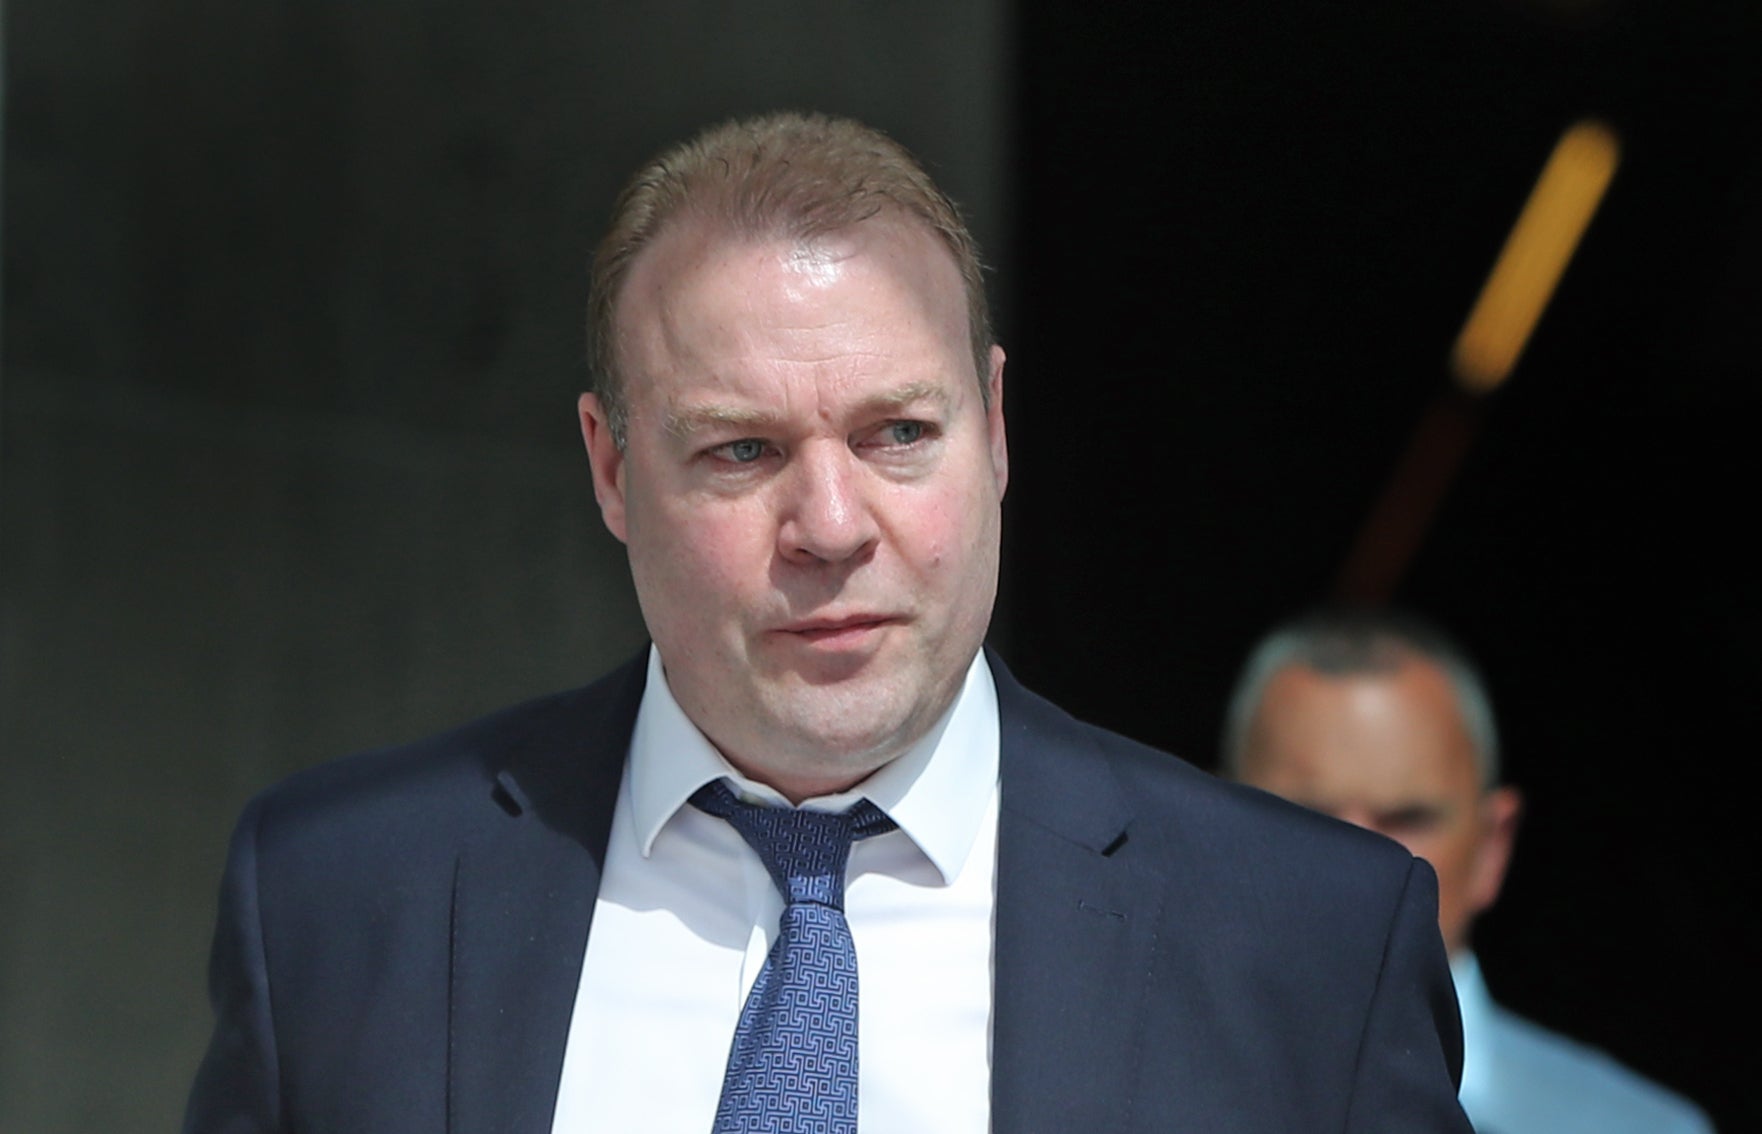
560	918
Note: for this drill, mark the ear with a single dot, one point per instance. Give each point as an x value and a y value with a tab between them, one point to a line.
1501	810
994	421
607	462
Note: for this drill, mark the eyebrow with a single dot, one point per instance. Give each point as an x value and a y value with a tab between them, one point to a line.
689	420
696	419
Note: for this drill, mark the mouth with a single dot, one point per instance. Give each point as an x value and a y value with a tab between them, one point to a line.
848	630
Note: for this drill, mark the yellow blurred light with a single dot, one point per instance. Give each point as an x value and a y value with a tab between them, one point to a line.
1535	255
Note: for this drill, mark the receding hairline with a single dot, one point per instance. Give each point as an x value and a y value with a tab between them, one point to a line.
912	260
697	233
695	237
781	175
1344	644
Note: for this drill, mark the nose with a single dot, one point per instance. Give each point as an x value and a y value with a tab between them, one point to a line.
826	515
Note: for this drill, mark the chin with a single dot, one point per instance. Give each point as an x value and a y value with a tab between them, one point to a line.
849	743
850	728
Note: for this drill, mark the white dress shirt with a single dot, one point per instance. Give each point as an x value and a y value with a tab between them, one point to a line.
1520	1078
686	914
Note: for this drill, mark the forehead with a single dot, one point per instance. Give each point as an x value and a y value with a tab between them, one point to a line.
1363	737
698	284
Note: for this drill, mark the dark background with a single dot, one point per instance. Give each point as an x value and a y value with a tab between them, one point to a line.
1248	235
288	463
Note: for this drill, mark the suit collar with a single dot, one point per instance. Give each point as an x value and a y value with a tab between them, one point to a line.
1076	925
1075	917
523	897
1055	776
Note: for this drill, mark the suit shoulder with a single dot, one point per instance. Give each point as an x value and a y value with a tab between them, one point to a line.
430	786
1247	830
397	778
381	825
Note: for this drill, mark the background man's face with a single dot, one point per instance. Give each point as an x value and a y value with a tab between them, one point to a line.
1389	751
810	490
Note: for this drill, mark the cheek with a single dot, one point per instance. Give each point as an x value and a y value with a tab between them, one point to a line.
703	559
936	545
934	540
949	534
1451	855
955	558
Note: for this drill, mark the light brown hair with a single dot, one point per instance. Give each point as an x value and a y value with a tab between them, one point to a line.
783	175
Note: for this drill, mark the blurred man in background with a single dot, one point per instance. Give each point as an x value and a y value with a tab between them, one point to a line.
1378	718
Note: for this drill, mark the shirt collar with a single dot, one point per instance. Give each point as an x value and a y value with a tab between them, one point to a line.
1476	1004
938	790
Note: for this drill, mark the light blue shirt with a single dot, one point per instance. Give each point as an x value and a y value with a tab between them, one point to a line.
1521	1078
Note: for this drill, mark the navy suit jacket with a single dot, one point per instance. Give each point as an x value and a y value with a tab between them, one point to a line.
401	934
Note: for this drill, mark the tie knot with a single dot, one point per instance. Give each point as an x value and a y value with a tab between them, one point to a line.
804	851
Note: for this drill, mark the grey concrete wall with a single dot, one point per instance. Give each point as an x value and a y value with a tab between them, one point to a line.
288	460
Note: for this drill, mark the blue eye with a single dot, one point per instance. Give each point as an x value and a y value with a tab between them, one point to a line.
745	451
906	432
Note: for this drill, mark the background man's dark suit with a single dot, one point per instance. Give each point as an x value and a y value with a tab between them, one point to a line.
401	935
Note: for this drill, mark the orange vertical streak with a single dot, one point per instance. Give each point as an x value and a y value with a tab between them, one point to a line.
1397	523
1572	184
1535	255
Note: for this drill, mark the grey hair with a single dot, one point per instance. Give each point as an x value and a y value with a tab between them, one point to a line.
1350	641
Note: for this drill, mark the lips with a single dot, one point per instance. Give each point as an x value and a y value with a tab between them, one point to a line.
847	628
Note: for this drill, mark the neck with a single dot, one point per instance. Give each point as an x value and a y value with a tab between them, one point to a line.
796	787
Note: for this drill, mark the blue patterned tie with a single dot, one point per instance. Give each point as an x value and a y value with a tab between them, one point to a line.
793	1066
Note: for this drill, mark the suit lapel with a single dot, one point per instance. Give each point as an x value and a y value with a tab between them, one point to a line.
1076	928
523	894
1075	918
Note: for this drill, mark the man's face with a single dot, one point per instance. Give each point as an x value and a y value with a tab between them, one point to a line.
810	490
1389	751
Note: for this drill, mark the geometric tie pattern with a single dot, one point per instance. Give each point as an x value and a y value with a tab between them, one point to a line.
792	1068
